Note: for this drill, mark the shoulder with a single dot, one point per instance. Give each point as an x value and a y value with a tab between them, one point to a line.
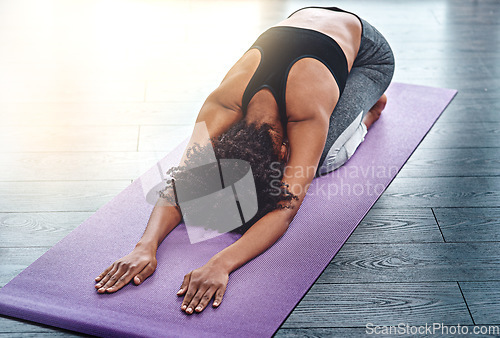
230	91
312	91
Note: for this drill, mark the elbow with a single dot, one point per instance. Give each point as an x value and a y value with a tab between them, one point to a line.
286	212
288	216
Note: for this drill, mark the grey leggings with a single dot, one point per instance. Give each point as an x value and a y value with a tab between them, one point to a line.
368	79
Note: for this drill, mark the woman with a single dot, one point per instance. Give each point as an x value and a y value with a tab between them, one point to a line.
302	96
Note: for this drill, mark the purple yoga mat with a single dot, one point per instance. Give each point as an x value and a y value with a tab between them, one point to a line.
58	288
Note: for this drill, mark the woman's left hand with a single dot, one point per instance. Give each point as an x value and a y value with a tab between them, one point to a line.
200	285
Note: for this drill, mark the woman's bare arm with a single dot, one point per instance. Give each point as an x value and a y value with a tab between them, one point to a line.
141	262
162	221
309	110
307	139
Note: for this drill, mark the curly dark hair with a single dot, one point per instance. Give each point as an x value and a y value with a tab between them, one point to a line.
250	142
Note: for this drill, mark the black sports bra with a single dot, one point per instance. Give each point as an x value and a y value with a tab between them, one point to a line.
280	48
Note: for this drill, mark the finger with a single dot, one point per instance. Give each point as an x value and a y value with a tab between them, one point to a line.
218	296
196	299
98	278
191	290
121	282
113	279
205	299
130	271
106	277
145	273
184	285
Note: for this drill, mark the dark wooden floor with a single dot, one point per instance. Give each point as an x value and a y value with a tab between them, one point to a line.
92	93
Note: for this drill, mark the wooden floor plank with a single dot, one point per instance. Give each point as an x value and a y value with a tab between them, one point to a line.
84	166
441	192
69	90
414	262
14	327
120	70
58	196
397	226
469	224
168	91
19	259
463	135
320	332
348	305
467	110
74	138
399	331
32	229
159	138
483	300
452	162
99	113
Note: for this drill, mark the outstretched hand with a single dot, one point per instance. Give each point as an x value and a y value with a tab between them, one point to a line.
200	285
139	265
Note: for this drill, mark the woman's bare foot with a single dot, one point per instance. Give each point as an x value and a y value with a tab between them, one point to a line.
375	112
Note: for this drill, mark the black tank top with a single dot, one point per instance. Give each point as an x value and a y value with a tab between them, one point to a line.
280	48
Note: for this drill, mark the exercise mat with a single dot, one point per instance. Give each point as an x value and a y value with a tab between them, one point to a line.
58	288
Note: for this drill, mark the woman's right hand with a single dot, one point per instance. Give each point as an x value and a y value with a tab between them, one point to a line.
137	265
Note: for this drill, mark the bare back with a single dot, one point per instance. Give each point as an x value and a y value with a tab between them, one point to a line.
311	88
344	28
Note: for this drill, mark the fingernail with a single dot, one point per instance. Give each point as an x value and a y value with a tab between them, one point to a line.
198	308
179	291
99	285
215	303
183	307
189	310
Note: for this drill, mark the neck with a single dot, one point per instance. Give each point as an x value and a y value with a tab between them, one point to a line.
263	109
